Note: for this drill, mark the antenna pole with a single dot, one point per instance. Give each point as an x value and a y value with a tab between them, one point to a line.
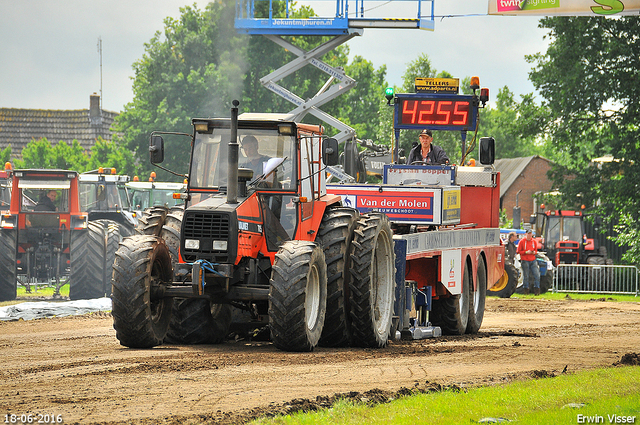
100	52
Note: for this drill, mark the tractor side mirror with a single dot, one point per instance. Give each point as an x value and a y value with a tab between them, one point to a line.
487	150
156	149
330	151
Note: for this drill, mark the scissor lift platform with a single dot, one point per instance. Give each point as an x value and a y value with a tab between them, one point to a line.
341	27
345	21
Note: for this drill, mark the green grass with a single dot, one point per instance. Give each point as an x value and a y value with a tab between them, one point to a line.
611	391
583	297
42	292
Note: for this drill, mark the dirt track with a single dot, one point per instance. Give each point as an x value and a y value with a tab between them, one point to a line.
75	367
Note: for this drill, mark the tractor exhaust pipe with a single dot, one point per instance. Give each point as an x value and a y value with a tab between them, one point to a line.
232	172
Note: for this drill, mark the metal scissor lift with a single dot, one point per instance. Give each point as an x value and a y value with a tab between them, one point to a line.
341	27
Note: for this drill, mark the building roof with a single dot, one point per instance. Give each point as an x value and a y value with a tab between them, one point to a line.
511	168
18	127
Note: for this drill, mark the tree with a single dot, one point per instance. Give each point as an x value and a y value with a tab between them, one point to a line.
515	125
589	79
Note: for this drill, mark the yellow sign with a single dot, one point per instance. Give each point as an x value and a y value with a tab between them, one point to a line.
450	204
437	85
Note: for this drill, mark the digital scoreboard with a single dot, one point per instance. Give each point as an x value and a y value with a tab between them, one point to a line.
417	111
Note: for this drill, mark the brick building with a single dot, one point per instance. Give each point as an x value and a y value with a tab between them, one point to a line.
521	178
18	127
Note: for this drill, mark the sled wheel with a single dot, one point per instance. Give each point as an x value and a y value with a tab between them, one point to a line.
452	313
298	296
140	316
477	301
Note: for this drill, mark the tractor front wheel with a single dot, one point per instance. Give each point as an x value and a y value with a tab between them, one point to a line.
140	314
298	296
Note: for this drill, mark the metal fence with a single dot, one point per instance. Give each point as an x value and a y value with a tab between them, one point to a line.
590	278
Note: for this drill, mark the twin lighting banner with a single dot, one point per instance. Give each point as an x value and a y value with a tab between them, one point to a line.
564	7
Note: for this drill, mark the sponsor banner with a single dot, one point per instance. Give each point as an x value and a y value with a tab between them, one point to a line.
564	7
442	175
402	205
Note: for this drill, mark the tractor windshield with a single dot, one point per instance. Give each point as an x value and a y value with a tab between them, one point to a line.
102	196
44	196
562	228
257	147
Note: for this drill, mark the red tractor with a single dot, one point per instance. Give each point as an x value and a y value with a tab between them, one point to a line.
45	239
563	237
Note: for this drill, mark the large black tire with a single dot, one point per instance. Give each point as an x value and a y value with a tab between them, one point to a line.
8	270
507	284
87	257
452	313
170	233
151	220
113	238
140	317
193	320
546	281
198	321
298	296
478	298
335	235
372	286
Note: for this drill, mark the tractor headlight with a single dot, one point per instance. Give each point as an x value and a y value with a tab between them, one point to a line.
192	243
219	245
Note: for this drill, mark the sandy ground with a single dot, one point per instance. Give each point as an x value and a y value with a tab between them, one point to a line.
74	367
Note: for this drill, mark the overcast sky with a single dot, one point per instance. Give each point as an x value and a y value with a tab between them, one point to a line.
49	57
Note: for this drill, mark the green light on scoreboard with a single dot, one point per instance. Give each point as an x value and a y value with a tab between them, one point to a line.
389	93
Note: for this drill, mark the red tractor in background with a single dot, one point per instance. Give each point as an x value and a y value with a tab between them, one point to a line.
45	238
563	237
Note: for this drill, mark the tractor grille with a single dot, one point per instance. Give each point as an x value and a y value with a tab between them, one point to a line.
206	227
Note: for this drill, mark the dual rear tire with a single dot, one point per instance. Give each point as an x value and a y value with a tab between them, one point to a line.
463	313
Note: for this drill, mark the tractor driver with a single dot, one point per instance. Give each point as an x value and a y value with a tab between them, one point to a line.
254	160
426	152
46	201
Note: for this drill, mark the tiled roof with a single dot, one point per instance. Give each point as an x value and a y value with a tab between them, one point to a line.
511	168
20	126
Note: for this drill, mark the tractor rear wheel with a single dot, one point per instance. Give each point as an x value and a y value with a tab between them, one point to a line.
452	313
87	258
335	235
372	286
170	233
8	270
477	301
198	321
151	221
298	296
113	235
140	316
507	284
